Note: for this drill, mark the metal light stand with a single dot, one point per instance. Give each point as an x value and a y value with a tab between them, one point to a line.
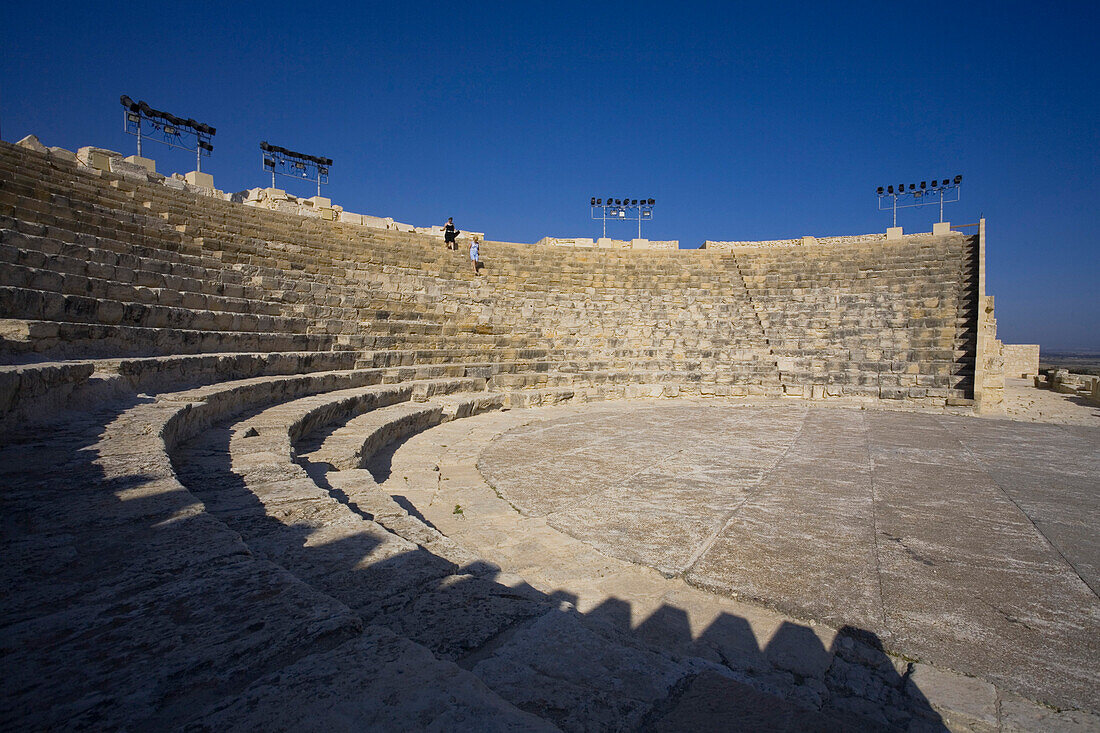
918	196
619	210
283	162
175	132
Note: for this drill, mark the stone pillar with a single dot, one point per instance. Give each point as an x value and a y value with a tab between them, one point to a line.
147	163
200	179
941	227
989	375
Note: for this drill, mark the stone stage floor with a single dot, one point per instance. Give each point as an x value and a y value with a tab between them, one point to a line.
968	544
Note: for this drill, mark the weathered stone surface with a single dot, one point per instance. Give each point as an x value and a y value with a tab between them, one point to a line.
379	681
564	669
868	518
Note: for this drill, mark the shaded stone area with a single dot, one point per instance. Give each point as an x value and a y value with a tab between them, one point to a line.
964	543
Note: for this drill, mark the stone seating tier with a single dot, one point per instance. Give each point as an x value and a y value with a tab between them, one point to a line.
213	275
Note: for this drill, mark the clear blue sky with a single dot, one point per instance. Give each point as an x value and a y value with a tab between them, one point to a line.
743	121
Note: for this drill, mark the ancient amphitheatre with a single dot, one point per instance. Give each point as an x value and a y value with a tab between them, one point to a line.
265	469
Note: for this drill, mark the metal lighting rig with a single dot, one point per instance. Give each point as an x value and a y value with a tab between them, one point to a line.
294	165
167	129
919	195
622	210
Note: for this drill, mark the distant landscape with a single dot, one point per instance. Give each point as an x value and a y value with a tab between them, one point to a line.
1079	362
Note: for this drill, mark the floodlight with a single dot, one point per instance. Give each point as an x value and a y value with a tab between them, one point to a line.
593	202
169	129
284	162
651	202
634	202
917	194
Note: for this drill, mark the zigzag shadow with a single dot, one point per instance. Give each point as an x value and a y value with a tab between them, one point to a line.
724	677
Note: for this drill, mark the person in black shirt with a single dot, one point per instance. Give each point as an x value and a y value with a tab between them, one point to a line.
449	233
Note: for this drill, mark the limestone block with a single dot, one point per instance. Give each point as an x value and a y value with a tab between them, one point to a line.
328	213
200	179
275	194
31	142
97	158
349	218
147	163
376	222
68	156
126	169
808	241
894	233
319	202
941	227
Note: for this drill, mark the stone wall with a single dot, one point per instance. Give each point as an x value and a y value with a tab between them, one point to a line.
801	241
1021	360
608	243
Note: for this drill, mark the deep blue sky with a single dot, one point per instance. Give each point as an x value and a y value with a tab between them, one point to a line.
744	121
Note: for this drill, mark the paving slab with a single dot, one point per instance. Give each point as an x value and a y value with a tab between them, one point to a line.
967	543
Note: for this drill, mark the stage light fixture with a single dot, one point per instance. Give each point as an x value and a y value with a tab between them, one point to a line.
651	202
279	160
171	128
593	201
918	194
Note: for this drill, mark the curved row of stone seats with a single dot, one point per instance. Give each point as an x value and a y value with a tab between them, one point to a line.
344	536
587	304
36	391
141	212
113	308
420	266
165	616
889	320
426	590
